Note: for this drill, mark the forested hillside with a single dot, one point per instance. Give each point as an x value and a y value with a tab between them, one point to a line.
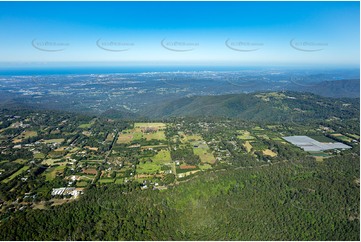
268	107
296	200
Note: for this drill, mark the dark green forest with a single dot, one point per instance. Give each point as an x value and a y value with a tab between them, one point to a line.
260	106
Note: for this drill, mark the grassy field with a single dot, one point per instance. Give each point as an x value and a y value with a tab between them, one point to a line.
49	162
204	153
39	156
28	134
189	138
119	181
248	146
91	148
20	161
125	138
87	133
50	174
85	126
159	135
56	154
86	177
205	166
49	141
148	168
161	158
269	152
17	140
263	136
354	136
16	174
81	184
319	156
55	131
194	137
106	180
273	126
137	133
62	148
150	125
110	137
188	173
342	137
154	146
57	202
244	135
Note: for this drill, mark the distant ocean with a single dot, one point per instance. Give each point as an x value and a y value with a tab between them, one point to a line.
17	71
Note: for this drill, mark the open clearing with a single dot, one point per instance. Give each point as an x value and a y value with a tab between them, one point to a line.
204	155
159	160
51	141
248	146
342	137
269	152
162	156
244	135
189	137
16	174
205	167
141	131
110	137
150	125
106	180
194	137
125	138
39	156
51	173
201	149
16	140
85	126
154	147
353	136
26	134
62	148
159	135
49	162
81	184
20	161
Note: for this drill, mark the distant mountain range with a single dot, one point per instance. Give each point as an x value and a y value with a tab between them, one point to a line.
260	106
339	88
264	101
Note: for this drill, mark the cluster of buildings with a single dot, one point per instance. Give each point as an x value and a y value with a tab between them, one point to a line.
308	144
63	191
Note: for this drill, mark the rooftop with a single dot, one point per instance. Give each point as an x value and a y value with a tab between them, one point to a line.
309	144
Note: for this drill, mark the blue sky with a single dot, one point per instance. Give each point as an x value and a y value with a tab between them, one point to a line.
179	33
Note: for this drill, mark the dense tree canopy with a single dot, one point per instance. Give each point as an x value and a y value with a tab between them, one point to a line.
288	201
